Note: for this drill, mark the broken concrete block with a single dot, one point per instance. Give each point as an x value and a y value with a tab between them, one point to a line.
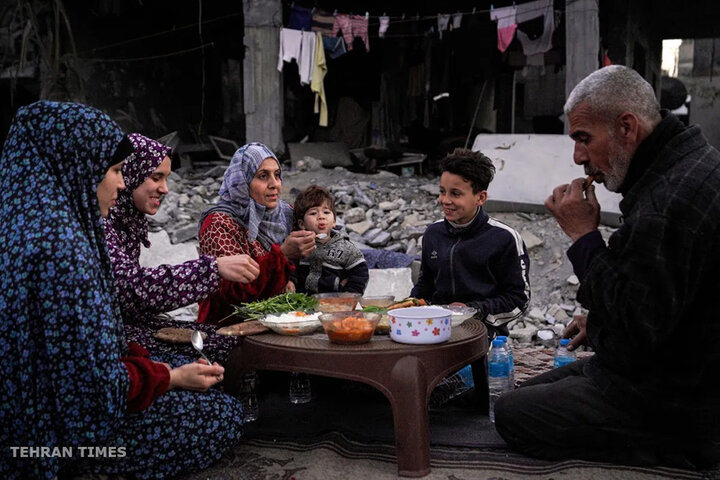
360	227
531	241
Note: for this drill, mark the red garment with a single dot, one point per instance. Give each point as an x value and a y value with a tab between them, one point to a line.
220	236
148	379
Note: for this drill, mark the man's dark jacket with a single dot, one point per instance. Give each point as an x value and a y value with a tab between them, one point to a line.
651	292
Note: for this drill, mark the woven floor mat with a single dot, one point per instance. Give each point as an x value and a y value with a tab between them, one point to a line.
532	361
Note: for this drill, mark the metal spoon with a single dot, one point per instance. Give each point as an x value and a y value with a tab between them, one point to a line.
320	236
197	342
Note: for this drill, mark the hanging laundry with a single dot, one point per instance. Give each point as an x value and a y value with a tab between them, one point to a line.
536	61
456	20
299	46
334	46
290	41
300	18
506	25
532	10
307	57
352	26
443	20
323	22
317	85
384	24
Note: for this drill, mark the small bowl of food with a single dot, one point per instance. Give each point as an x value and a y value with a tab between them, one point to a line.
292	323
350	327
460	313
420	325
336	301
381	301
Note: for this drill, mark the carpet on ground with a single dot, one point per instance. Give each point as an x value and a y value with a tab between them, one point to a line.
346	431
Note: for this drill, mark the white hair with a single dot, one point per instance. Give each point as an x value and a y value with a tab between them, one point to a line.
615	89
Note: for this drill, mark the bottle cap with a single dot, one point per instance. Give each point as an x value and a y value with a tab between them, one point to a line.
564	342
497	343
502	337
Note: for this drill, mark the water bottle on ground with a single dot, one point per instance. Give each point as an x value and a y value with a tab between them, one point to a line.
563	356
299	388
511	360
498	374
466	375
248	398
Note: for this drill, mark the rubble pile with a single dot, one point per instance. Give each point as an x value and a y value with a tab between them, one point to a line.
391	212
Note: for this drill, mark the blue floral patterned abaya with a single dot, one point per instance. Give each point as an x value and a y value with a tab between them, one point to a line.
64	388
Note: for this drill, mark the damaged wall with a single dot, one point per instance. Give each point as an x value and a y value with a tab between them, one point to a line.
154	66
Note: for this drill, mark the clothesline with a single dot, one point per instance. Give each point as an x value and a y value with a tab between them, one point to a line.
157	34
152	57
374	20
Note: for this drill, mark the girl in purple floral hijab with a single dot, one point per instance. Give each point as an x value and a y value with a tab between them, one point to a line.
144	292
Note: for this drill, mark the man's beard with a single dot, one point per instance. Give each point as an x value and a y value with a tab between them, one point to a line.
619	161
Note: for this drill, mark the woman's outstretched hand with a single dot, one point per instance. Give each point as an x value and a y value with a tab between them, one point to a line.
238	268
298	244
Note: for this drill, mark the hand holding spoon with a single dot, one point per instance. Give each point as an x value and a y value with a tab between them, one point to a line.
197	342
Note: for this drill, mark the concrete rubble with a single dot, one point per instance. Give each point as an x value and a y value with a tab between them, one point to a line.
389	212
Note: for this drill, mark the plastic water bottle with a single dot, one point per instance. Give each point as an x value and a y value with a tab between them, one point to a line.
300	388
498	374
466	375
563	356
511	359
248	397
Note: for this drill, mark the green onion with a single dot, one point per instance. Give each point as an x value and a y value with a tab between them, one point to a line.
283	303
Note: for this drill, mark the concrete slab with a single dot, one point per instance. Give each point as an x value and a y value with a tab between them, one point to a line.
332	154
390	281
162	252
529	166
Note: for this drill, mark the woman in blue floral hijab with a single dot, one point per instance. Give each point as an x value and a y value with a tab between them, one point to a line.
70	382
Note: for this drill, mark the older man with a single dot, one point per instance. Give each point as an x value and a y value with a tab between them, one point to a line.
650	393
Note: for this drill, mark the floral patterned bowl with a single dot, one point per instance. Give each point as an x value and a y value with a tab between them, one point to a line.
420	325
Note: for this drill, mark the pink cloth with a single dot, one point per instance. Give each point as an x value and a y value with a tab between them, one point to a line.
506	25
505	37
352	26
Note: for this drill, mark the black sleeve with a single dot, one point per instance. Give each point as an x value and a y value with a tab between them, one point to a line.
357	278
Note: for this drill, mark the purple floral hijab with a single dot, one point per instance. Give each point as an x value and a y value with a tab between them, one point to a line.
127	220
268	226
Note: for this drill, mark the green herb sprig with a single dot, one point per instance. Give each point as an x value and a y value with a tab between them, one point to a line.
374	309
283	303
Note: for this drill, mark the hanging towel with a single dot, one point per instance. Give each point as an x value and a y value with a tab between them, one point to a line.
299	46
306	62
317	85
384	24
323	22
443	20
290	41
529	11
506	25
456	20
300	18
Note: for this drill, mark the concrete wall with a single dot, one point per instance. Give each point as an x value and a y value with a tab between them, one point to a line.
262	81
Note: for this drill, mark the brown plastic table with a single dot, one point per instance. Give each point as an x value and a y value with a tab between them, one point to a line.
405	374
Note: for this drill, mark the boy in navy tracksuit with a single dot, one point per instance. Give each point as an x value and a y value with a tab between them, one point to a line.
469	257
